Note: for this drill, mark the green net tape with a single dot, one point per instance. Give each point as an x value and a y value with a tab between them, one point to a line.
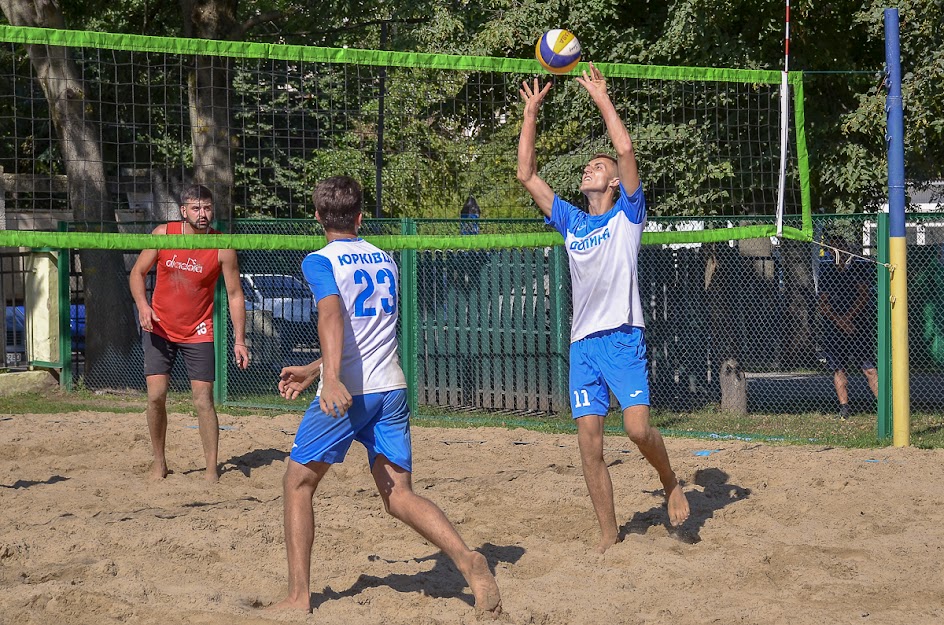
114	241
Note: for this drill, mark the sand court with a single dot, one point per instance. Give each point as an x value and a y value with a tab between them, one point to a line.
778	534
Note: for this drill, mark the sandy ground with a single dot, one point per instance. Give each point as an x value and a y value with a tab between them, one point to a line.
777	534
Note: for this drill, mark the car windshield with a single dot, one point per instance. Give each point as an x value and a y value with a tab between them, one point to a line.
281	286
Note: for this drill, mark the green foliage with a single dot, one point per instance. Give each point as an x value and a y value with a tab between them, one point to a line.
436	131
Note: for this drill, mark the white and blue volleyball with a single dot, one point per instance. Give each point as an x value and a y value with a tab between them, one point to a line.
558	51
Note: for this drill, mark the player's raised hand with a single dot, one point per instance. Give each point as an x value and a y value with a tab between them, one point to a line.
593	81
533	96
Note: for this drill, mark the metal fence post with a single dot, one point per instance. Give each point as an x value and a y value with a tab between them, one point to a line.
884	419
559	335
63	263
409	302
220	340
897	241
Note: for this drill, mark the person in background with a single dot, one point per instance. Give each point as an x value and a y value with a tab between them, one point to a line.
849	337
179	319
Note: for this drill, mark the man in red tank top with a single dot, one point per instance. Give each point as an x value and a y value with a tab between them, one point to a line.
179	318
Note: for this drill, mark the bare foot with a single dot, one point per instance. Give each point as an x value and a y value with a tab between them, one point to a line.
212	477
677	504
483	585
606	542
290	603
158	471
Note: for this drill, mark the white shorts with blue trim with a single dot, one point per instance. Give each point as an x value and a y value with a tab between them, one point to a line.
379	421
613	360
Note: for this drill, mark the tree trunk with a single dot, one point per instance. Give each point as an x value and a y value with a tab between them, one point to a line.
733	388
720	287
110	325
209	92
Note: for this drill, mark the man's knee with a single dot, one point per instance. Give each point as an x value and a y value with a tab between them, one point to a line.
639	433
203	397
300	477
157	400
636	424
400	500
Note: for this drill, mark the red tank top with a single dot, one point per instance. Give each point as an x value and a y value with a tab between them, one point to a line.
183	293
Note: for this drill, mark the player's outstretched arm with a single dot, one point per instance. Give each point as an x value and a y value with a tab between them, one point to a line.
527	159
136	282
595	84
335	398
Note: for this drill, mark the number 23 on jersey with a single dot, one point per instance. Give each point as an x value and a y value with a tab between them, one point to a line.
384	283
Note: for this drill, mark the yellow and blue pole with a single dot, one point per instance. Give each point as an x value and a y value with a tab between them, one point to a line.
901	396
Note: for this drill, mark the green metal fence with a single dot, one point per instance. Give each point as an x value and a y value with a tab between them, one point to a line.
488	330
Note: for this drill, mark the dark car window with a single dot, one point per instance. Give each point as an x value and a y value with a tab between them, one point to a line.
280	286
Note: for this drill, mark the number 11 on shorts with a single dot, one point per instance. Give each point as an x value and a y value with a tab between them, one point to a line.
579	396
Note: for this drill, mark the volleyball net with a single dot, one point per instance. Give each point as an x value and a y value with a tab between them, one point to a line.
102	130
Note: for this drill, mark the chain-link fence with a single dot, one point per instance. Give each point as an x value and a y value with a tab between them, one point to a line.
489	330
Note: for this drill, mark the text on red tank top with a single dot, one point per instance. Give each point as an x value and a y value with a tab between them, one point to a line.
183	293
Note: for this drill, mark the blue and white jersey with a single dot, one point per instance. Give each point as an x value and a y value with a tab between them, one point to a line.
603	250
366	280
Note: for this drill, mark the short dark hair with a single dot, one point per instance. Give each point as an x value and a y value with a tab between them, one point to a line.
604	155
338	200
195	192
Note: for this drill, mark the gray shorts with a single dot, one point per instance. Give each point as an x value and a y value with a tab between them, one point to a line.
160	355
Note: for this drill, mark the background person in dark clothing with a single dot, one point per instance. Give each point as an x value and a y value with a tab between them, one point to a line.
847	305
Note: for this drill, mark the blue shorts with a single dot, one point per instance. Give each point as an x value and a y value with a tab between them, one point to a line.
379	421
613	360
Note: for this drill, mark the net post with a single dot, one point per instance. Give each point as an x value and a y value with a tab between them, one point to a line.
897	243
409	301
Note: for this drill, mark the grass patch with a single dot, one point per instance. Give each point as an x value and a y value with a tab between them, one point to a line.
107	401
927	429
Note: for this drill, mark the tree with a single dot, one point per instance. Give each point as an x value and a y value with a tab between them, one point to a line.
108	300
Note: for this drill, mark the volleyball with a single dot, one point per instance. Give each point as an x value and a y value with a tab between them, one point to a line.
558	51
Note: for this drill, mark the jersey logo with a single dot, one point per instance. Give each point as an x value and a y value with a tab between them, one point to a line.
591	241
191	265
635	394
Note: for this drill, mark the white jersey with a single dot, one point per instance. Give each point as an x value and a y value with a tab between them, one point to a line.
366	280
603	251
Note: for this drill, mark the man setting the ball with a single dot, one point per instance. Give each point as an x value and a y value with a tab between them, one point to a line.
608	350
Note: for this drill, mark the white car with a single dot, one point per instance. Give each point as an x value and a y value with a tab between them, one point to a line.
289	300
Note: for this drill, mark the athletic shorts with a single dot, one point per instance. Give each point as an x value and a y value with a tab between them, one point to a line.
160	355
379	421
613	360
843	351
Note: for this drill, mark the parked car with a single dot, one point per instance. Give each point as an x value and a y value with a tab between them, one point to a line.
291	302
16	331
